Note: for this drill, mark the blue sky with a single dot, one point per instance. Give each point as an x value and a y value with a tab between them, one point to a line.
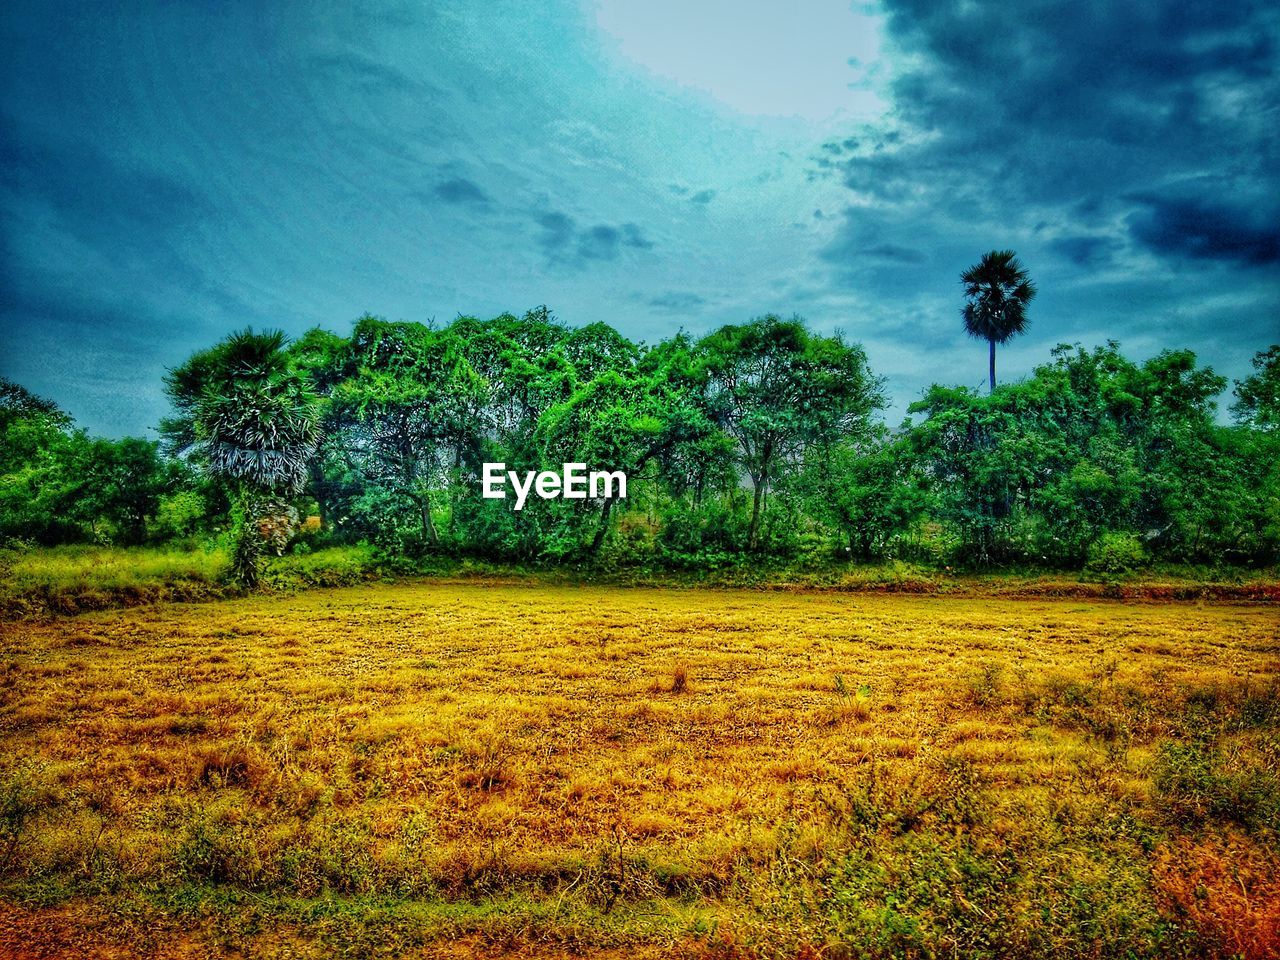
171	172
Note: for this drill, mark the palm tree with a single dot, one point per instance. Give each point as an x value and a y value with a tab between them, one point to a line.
997	290
251	420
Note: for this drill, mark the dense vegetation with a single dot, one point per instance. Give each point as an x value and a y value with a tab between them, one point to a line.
761	441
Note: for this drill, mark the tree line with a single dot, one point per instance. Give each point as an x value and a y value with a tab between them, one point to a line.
762	440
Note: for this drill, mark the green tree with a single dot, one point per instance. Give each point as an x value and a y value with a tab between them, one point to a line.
36	453
1258	395
997	290
615	421
120	482
248	417
321	355
406	396
867	490
969	450
777	389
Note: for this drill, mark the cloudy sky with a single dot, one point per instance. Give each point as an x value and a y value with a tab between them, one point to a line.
172	171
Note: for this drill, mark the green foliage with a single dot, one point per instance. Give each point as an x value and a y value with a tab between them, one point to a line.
867	491
179	515
1116	553
780	391
245	413
756	443
1194	783
1094	444
327	567
703	536
57	484
1258	396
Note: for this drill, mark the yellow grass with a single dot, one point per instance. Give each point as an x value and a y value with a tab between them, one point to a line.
602	767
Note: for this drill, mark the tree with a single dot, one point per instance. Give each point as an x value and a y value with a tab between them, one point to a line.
17	402
1258	396
37	448
997	290
867	490
776	389
249	418
120	482
407	398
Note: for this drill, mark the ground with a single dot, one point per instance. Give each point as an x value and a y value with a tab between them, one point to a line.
427	769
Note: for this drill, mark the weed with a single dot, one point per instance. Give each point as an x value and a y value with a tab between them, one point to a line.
23	795
986	689
1195	782
679	678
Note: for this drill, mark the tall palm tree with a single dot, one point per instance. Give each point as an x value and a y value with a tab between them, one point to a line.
997	290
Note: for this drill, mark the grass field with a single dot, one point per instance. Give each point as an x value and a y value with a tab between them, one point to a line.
428	769
74	579
40	581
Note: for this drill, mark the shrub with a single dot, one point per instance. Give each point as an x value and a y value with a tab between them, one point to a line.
703	537
1194	784
986	689
179	515
1114	554
21	799
328	567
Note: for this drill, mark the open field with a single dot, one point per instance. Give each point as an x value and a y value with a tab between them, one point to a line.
427	769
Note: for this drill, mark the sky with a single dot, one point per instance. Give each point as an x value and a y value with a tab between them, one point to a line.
170	172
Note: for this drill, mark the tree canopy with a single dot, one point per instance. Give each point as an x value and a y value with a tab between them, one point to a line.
760	440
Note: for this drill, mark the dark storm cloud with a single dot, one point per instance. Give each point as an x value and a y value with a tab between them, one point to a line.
557	231
1084	249
891	251
600	242
1132	140
633	236
1055	104
93	194
1207	230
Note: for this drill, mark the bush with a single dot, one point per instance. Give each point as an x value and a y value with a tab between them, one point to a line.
22	797
179	515
327	567
707	536
1116	553
631	542
1195	784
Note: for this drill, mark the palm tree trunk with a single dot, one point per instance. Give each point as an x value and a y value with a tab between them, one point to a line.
993	365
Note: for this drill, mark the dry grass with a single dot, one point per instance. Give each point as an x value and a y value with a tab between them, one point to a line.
564	768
